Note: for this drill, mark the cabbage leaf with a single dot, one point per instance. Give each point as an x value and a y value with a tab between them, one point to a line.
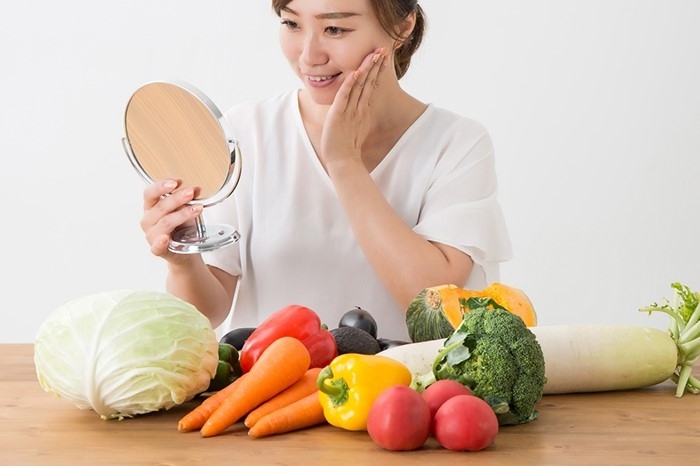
123	352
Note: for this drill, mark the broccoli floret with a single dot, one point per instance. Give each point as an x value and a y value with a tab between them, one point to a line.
498	358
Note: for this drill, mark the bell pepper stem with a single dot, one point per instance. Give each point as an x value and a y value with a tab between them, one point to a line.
336	390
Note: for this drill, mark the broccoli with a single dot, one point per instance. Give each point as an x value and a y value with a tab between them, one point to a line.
494	354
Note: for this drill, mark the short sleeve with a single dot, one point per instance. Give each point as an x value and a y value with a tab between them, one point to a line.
460	207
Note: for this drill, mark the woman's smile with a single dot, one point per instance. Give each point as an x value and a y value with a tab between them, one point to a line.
321	81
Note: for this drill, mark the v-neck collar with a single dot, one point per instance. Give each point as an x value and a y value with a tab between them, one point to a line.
390	155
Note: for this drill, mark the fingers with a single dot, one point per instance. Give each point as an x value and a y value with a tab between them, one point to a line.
159	246
362	82
367	76
166	207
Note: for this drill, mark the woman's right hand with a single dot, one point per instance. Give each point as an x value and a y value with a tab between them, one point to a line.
165	209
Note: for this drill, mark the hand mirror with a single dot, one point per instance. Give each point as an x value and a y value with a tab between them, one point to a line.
174	131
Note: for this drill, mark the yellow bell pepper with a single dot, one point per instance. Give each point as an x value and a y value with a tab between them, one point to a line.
351	382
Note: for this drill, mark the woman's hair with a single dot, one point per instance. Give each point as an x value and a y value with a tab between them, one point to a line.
390	14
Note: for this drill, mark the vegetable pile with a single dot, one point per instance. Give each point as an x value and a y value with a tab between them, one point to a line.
478	361
123	353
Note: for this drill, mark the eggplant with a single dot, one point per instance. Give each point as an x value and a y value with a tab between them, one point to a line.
386	343
237	337
359	318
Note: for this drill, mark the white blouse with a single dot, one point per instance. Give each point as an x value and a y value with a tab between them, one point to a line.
296	245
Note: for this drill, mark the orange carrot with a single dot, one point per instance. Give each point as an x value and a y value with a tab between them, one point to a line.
282	363
196	418
298	390
303	413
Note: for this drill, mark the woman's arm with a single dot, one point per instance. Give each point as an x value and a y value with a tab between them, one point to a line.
403	260
209	289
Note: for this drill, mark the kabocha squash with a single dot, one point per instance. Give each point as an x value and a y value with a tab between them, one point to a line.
437	311
513	299
434	313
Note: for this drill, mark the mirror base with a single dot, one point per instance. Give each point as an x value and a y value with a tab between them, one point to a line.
190	240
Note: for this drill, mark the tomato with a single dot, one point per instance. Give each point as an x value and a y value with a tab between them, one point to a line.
399	419
465	423
442	390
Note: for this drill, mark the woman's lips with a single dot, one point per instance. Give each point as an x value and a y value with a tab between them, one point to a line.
321	81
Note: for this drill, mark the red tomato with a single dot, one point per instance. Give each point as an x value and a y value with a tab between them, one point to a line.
442	390
465	422
399	419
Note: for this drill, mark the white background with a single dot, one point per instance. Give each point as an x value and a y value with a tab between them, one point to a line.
594	108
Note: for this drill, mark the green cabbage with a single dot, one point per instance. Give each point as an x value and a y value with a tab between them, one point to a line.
123	353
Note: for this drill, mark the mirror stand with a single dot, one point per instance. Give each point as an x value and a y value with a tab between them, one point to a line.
197	238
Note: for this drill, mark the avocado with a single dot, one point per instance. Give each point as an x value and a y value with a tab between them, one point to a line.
355	340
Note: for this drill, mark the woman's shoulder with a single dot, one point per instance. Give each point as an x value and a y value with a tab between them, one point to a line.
442	119
455	139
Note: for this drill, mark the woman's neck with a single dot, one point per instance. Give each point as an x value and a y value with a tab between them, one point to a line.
392	108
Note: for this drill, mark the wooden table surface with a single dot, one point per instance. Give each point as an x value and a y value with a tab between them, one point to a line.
649	426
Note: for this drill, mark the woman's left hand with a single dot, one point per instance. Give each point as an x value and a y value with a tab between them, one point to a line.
349	117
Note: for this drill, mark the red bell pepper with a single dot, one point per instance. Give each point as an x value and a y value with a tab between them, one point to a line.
295	321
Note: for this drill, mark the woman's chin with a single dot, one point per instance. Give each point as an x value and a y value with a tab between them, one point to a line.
321	97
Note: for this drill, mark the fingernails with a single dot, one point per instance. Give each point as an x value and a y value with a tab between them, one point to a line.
196	208
379	54
169	184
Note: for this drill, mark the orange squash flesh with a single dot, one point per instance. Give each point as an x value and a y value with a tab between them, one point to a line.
515	300
447	298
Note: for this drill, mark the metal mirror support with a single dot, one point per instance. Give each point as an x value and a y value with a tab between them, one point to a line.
174	131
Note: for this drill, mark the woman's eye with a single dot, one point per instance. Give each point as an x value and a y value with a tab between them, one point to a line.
334	30
289	24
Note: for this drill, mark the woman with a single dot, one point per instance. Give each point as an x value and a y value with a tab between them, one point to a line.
353	192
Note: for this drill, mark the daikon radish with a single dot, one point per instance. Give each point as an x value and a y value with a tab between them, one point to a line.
580	358
594	358
418	357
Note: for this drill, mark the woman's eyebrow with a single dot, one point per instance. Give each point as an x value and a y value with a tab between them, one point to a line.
338	15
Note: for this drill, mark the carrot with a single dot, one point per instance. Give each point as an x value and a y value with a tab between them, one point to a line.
196	418
282	363
299	389
302	413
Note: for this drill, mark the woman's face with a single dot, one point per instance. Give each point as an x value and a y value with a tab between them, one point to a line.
326	41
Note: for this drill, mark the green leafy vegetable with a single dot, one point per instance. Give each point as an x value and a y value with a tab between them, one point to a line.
685	331
496	355
123	353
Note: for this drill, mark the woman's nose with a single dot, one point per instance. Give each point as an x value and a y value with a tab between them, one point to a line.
313	52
